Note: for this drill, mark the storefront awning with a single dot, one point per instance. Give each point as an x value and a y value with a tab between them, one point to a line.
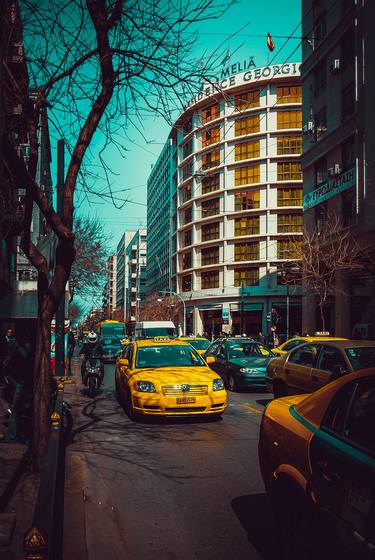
246	306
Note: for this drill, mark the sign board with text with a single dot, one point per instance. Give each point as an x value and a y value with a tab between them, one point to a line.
329	189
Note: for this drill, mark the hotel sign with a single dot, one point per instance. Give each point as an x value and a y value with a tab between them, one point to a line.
250	76
329	189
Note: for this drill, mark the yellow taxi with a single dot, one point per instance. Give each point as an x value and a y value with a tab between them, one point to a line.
317	459
200	343
298	340
163	377
314	364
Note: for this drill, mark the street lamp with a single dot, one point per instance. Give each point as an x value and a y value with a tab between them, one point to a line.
170	293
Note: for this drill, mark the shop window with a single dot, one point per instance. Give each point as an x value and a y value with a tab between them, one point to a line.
210	256
289	171
247	200
289	196
246	100
246	251
188	214
289	249
211	159
320	78
210	113
211	183
247	175
187	170
186	260
187	149
210	207
289	223
210	231
289	145
248	225
289	94
210	279
187	283
289	119
186	192
348	101
247	150
187	238
246	277
321	122
248	125
210	136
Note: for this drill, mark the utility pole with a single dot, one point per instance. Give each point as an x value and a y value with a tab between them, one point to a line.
60	312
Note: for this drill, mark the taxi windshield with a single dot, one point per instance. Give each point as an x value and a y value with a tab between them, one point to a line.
361	357
168	356
199	344
247	350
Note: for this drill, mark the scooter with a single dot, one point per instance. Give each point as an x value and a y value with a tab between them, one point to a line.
93	375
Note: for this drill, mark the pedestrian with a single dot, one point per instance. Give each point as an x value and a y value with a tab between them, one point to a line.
261	337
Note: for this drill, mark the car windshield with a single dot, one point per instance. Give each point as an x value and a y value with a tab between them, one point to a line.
111	342
199	344
361	356
168	356
152	332
247	350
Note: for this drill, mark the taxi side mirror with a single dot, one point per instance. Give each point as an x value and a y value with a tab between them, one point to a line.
210	360
123	362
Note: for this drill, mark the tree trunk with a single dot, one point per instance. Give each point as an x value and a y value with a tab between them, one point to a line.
321	309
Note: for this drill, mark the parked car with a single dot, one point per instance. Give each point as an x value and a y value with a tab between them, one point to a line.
241	362
298	340
200	343
163	377
312	365
317	459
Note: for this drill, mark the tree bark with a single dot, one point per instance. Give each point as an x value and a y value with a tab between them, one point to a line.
321	309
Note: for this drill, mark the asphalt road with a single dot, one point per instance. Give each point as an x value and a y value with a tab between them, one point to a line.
172	490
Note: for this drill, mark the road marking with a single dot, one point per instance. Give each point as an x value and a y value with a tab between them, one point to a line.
251	408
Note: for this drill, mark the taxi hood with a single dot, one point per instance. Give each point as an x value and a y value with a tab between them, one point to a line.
175	375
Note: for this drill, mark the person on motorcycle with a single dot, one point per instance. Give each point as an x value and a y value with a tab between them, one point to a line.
91	349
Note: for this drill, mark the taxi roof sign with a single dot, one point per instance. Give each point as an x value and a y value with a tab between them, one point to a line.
162	339
322	333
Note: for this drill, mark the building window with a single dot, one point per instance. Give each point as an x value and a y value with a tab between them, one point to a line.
320	78
210	279
289	171
348	49
248	225
210	231
349	209
289	119
348	153
211	159
320	29
210	256
289	94
289	249
289	196
321	215
187	238
320	168
187	127
246	277
210	136
210	113
246	252
247	175
186	260
246	100
247	150
287	223
186	192
247	200
210	207
289	145
348	101
187	149
210	183
187	283
248	125
188	214
321	122
187	170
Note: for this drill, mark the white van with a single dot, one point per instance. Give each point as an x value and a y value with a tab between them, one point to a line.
150	329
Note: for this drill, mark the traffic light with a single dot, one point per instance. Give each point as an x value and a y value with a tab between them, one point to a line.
269	317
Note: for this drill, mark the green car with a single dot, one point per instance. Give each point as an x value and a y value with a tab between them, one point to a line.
111	348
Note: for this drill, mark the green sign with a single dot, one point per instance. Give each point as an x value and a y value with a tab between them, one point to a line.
329	189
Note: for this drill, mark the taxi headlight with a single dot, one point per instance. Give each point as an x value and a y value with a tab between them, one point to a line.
248	370
218	384
146	387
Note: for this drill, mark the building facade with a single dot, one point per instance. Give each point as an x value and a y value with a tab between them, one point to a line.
122	273
109	296
338	80
239	203
135	290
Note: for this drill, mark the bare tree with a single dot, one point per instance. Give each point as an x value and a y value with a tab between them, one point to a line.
324	251
98	66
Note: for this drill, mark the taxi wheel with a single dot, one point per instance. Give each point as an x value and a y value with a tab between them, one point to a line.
232	384
279	389
129	407
119	397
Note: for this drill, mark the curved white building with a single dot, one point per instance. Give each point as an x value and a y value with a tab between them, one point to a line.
239	200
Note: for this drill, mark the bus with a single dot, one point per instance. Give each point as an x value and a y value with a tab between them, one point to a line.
110	329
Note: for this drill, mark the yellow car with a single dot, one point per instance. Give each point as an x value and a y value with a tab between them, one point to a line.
297	340
163	377
200	343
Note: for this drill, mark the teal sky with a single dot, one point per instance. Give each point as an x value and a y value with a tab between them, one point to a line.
251	21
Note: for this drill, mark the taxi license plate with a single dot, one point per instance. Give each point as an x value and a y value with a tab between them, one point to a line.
185	400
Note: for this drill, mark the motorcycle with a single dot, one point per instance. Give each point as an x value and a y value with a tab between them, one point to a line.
93	375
